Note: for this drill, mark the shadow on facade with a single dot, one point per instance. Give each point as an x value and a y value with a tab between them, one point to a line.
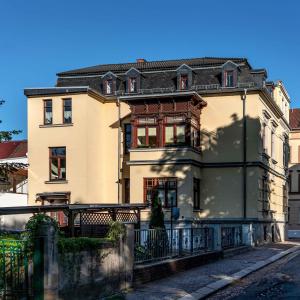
220	168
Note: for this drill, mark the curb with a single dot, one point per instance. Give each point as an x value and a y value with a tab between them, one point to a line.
220	284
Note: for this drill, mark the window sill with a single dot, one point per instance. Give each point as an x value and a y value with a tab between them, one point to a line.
56	181
55	125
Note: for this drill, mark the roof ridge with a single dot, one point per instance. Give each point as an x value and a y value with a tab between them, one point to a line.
177	60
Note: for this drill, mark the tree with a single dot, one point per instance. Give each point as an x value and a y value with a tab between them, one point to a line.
157	214
7	135
7	168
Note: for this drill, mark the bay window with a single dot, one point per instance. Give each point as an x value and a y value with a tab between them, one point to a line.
165	189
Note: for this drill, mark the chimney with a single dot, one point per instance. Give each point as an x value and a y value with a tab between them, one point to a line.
140	60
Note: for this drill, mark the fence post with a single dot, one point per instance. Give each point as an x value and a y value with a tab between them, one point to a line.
180	240
128	255
45	265
192	239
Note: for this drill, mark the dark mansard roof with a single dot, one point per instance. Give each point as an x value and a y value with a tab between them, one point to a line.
154	65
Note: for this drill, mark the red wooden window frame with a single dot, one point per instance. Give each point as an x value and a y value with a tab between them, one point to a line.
153	184
59	159
147	136
45	108
174	125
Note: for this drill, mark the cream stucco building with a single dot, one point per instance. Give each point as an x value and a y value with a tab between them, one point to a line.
208	136
294	174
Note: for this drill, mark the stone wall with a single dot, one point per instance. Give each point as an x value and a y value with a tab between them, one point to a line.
94	273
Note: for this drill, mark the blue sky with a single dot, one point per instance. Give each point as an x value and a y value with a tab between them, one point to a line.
40	38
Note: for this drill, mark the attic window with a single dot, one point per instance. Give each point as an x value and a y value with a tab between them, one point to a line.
184	82
229	78
109	86
132	84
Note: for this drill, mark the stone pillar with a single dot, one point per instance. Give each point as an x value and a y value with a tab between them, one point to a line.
127	252
45	261
247	234
217	238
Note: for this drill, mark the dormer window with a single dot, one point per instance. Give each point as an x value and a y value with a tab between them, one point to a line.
230	74
184	77
184	80
109	83
229	78
132	84
109	86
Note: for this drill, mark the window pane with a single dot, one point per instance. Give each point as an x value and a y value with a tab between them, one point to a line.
161	196
147	120
175	119
48	111
54	169
68	111
109	84
171	202
180	134
61	151
184	82
152	136
132	84
169	135
229	78
127	137
141	136
62	168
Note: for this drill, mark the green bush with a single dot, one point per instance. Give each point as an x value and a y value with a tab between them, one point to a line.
77	244
116	229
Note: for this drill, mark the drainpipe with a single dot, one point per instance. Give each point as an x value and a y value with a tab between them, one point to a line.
119	149
244	98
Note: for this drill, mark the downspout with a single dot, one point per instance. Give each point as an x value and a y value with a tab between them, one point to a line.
244	98
119	149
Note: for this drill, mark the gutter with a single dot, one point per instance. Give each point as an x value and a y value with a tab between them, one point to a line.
119	149
244	98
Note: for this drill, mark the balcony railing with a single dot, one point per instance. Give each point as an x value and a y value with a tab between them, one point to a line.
202	87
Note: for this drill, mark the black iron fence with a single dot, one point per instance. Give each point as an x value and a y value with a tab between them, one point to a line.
231	237
159	244
15	281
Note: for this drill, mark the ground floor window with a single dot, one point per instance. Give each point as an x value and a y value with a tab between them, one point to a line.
163	188
196	193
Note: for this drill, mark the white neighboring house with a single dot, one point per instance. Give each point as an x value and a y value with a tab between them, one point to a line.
15	191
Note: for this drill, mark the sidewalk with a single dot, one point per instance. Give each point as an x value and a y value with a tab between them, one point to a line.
192	284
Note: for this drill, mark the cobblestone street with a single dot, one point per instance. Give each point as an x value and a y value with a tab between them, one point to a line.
185	283
280	280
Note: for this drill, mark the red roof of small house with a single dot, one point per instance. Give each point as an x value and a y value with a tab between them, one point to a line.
13	149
